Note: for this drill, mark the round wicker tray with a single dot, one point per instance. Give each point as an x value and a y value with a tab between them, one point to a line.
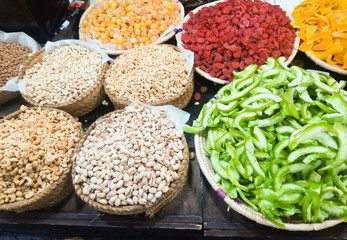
151	208
325	64
53	194
83	104
218	80
244	209
112	51
179	101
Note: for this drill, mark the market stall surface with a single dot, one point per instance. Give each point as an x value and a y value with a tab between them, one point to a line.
196	213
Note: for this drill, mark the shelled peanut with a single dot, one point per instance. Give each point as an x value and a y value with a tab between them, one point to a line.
129	158
129	23
148	74
35	149
12	55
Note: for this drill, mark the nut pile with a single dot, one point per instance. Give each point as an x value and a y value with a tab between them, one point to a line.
35	148
130	158
63	75
12	55
149	74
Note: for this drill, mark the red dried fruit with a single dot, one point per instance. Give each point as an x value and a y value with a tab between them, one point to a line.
197	96
233	34
203	89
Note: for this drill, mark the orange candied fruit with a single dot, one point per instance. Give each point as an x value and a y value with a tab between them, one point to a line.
322	28
129	23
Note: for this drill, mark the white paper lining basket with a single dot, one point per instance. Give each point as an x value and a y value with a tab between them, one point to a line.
218	80
112	51
325	65
242	208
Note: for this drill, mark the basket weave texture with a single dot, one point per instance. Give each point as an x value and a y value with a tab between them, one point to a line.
82	104
242	208
54	193
6	96
112	51
150	208
218	80
325	64
179	101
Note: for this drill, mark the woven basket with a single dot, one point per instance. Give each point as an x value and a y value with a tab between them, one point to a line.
244	209
6	96
325	64
54	193
151	208
179	101
82	104
218	80
112	51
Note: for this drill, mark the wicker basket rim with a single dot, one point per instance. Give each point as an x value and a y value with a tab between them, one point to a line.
156	103
150	207
218	80
118	52
325	65
38	55
244	209
51	188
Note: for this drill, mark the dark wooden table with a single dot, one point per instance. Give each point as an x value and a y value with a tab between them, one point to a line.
197	212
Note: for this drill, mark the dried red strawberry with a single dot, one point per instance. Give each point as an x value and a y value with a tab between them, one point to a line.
203	89
197	96
233	34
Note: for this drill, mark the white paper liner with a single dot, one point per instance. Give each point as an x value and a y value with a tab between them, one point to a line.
287	5
51	46
179	116
24	40
188	56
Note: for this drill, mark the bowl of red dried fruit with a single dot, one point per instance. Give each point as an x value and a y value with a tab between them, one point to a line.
228	36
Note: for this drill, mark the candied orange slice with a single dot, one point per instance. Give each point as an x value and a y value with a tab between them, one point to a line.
344	43
339	34
305	47
343	4
317	36
341	24
322	28
335	48
323	45
345	60
331	62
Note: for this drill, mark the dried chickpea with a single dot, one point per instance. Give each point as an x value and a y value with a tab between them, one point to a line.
129	23
12	55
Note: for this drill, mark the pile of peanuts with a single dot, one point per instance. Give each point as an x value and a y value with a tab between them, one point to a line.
63	75
12	55
149	74
130	158
129	23
35	148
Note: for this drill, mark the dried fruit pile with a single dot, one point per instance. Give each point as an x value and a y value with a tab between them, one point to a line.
129	23
323	30
231	35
